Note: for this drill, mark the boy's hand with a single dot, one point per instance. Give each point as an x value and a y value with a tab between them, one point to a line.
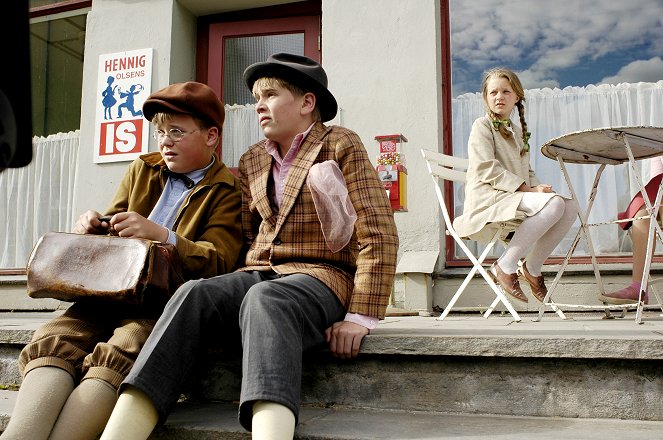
131	224
345	338
89	223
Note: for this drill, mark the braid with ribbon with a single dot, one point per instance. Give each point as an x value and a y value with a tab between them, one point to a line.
523	124
501	125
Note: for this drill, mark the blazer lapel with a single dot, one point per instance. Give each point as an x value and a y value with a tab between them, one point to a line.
258	187
307	154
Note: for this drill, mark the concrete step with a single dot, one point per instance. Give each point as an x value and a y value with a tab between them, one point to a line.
208	421
586	367
13	297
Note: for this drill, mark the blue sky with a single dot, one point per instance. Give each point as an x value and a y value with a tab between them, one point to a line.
557	44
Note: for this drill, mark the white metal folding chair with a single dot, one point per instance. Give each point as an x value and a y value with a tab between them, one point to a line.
442	167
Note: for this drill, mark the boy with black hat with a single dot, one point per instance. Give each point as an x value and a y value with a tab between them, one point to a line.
313	273
183	195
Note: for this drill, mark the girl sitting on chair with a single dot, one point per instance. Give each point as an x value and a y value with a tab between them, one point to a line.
501	187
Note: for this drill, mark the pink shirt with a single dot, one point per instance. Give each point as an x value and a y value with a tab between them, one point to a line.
281	166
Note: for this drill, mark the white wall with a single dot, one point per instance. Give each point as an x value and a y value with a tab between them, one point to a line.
382	58
116	26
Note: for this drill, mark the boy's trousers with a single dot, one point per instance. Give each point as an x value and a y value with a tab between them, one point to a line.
277	319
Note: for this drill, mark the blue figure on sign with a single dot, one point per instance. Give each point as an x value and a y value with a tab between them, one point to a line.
108	100
129	101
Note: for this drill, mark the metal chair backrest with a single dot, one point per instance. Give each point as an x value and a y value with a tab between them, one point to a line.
445	166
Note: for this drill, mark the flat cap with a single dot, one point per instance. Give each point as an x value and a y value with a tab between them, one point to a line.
191	98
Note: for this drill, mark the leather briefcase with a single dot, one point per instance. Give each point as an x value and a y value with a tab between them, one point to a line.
74	267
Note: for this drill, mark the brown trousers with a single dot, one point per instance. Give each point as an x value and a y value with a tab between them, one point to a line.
90	341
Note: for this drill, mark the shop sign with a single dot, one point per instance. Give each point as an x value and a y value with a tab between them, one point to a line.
123	83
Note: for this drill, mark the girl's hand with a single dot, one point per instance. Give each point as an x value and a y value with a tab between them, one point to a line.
543	188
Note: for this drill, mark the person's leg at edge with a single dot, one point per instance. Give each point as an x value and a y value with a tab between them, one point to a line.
280	319
42	394
202	310
133	418
272	421
639	235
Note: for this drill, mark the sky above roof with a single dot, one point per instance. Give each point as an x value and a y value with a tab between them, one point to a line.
557	43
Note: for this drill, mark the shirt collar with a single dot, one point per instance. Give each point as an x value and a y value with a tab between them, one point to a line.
195	176
273	149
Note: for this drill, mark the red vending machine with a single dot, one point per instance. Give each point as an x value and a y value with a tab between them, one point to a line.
392	171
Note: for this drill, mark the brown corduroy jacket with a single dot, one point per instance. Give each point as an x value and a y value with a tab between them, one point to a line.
291	240
208	224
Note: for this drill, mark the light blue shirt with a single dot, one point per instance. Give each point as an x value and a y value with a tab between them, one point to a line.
173	196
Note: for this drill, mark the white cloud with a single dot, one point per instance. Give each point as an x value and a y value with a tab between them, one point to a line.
650	70
531	79
545	39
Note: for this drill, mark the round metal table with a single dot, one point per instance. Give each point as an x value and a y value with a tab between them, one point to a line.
606	146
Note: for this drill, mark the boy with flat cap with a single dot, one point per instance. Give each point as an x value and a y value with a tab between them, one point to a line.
313	273
183	195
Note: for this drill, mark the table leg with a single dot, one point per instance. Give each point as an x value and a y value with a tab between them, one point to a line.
583	231
654	228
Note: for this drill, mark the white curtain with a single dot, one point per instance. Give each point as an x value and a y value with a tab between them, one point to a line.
553	112
37	198
240	130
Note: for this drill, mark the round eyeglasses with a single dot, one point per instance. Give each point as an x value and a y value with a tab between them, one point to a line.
175	134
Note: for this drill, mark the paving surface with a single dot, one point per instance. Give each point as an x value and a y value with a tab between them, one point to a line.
219	421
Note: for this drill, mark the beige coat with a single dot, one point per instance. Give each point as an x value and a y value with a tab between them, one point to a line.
495	172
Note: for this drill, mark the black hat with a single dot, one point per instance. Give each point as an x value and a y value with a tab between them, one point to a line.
191	98
300	71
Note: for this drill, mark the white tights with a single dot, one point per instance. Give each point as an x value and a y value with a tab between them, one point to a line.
541	232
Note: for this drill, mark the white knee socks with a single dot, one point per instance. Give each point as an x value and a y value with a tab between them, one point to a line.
40	398
133	418
272	421
94	399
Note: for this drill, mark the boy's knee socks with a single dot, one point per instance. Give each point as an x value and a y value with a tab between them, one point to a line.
133	418
40	399
93	398
272	421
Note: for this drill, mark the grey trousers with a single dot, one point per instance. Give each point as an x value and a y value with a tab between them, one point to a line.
277	319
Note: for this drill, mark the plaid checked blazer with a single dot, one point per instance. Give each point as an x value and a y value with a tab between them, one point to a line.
291	240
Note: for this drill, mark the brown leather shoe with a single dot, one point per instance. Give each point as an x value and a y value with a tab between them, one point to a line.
508	282
537	285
